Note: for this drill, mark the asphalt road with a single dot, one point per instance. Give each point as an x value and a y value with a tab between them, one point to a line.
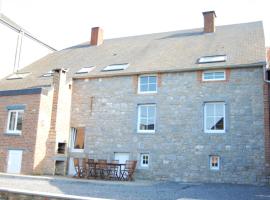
138	190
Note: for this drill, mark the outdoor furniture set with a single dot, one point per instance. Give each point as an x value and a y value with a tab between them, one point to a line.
113	170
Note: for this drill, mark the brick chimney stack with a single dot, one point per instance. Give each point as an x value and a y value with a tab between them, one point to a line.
209	21
96	36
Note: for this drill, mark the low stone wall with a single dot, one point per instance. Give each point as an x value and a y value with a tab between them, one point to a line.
11	194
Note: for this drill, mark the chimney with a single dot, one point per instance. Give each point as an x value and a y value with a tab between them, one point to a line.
209	21
96	36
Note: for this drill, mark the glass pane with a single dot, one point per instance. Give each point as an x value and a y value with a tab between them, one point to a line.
79	139
219	109
208	75
152	87
151	124
219	123
143	112
151	111
12	120
210	109
143	88
219	75
143	124
144	80
19	121
210	123
152	79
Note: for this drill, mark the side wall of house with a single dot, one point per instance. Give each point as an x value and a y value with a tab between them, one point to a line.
44	122
179	149
26	141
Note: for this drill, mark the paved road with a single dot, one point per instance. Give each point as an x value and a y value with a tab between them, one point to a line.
138	190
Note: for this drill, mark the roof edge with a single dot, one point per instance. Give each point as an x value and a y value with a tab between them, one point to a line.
259	64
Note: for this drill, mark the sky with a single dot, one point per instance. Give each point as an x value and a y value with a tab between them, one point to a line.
63	23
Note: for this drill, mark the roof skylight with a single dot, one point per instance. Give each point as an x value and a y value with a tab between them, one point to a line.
212	59
85	70
18	76
116	67
48	74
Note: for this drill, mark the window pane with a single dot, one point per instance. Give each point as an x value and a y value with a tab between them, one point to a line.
219	109
152	79
143	88
144	80
219	124
208	75
152	87
210	123
143	112
219	75
143	124
151	124
19	121
210	109
151	111
12	120
79	139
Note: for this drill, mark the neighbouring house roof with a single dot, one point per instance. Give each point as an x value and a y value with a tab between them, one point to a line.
243	44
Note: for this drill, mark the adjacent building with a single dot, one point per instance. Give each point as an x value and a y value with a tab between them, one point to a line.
189	105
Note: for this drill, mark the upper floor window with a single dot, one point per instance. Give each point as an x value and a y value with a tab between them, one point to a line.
77	139
214	162
146	118
214	76
214	117
116	67
144	160
48	74
147	84
14	125
212	59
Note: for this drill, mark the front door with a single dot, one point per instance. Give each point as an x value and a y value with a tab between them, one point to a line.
14	161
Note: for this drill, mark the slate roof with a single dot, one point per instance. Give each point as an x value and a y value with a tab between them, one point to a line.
243	44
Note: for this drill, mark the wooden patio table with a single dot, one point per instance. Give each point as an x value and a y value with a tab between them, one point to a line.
119	167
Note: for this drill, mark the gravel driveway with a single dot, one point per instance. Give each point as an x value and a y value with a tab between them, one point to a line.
145	190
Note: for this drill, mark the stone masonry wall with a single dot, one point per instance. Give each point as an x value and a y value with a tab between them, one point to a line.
179	150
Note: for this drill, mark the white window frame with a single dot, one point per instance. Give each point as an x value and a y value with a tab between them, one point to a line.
72	140
15	131
139	84
224	119
214	79
85	70
115	67
210	163
141	159
139	119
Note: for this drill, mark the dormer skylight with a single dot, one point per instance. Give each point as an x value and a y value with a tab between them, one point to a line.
48	74
212	59
116	67
85	70
18	76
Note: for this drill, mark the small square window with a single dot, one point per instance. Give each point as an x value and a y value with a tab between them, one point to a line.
214	76
214	162
15	118
147	84
144	160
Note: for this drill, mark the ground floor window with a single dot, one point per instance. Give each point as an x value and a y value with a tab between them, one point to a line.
77	139
214	162
144	160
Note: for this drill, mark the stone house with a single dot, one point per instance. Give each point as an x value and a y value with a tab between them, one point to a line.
189	105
